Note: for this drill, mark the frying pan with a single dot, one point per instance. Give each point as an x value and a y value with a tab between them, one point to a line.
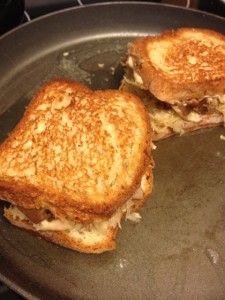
177	251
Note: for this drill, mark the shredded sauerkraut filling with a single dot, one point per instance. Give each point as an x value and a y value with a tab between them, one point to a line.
209	109
179	118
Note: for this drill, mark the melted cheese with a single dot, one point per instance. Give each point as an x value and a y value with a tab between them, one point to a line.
221	106
194	117
130	62
55	225
137	78
163	120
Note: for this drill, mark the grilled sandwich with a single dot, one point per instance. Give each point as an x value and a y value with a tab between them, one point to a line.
180	74
76	164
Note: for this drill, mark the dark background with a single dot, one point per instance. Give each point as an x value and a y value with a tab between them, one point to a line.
15	12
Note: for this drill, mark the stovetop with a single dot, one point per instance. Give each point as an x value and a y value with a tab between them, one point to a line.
36	8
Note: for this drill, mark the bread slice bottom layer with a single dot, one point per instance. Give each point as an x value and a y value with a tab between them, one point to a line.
90	240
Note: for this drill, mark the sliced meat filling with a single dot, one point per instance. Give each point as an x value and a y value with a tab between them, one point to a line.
209	109
36	215
167	119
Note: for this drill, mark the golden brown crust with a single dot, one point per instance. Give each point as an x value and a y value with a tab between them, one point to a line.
62	238
194	61
23	199
64	201
21	195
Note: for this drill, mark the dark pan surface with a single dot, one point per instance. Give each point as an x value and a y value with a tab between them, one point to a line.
177	251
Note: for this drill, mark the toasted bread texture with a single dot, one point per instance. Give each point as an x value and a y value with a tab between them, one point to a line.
76	152
165	121
76	164
180	65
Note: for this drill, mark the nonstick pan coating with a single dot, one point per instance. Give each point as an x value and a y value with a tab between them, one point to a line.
177	251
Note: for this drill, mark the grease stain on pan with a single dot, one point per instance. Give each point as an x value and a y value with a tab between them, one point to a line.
212	255
123	264
95	64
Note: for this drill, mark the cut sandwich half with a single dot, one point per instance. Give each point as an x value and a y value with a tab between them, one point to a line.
165	120
74	166
181	74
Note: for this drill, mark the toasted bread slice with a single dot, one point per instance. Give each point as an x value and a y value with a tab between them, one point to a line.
165	121
179	66
76	149
76	164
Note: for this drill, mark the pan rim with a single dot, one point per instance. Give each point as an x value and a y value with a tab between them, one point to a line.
14	286
109	3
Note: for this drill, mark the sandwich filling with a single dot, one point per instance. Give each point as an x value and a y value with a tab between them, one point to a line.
178	118
43	220
210	107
